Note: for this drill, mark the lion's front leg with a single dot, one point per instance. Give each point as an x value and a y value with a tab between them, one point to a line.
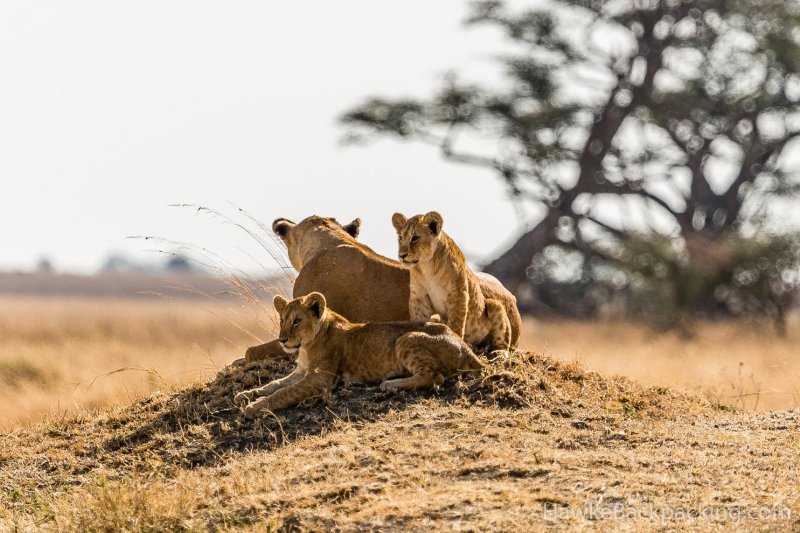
312	384
457	309
247	396
270	350
499	329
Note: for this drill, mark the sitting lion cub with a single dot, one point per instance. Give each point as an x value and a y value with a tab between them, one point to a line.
443	284
331	346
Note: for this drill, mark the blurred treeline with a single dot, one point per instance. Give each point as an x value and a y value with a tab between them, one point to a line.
655	140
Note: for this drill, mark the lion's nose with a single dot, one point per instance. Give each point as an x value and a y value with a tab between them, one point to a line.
403	255
283	339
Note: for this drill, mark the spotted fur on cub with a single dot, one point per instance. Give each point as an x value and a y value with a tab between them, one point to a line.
442	283
405	355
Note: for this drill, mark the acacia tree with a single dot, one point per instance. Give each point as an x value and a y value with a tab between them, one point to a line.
628	122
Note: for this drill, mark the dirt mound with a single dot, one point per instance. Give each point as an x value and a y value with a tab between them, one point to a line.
200	426
526	444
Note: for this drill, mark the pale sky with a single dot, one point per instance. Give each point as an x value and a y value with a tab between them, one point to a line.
110	111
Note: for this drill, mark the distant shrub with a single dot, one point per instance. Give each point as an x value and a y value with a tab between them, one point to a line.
673	282
669	282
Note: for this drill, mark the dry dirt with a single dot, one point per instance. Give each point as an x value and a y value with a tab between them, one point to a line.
530	443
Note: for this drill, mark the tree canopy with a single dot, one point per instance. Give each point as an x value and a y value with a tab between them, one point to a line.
665	122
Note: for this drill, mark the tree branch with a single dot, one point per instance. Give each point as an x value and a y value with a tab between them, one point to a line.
626	188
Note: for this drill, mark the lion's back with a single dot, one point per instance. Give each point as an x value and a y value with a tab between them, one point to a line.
357	284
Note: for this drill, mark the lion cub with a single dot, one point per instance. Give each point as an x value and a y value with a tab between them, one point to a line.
330	346
441	283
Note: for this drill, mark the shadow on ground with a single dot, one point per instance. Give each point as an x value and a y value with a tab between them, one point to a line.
200	425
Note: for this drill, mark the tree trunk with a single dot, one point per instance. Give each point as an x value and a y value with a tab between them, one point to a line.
511	268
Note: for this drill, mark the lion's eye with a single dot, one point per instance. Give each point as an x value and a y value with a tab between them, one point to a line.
296	322
414	239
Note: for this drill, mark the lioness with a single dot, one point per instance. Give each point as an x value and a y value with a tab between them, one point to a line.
357	282
442	283
330	346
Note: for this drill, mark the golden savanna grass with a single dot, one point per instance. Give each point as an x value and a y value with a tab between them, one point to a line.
739	363
62	355
531	442
534	441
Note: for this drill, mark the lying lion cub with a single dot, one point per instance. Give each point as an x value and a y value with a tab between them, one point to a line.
331	346
442	283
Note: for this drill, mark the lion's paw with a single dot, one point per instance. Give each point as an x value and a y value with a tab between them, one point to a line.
244	397
496	356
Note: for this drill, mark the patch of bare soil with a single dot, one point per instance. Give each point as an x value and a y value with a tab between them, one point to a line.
528	443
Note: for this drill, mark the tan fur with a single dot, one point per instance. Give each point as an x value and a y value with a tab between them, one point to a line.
357	282
329	346
477	308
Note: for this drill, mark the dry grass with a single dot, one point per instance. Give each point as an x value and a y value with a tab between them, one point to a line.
536	441
109	285
743	364
531	443
61	355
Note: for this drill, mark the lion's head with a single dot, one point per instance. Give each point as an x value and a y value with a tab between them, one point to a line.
312	234
418	236
301	319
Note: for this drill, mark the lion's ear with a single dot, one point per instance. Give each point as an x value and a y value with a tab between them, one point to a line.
279	303
281	227
434	222
353	228
315	302
398	221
